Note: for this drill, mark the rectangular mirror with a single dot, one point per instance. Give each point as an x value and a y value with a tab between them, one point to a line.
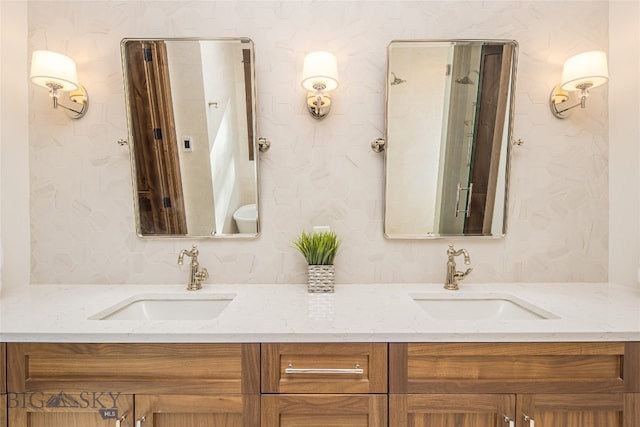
192	135
448	132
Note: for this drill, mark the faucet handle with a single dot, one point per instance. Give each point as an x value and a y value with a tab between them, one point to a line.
202	274
461	275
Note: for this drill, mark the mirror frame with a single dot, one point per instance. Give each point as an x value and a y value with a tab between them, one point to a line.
258	145
509	116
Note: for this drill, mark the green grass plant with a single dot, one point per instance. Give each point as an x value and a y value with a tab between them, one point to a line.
318	248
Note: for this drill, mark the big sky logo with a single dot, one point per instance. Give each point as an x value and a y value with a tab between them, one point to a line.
104	402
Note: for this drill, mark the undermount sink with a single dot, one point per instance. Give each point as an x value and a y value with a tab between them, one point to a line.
479	306
167	307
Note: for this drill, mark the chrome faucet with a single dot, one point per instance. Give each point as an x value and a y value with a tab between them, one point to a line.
451	283
196	277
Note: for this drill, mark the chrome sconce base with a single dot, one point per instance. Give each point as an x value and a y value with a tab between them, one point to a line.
318	105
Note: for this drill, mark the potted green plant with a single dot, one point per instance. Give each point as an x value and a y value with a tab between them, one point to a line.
319	249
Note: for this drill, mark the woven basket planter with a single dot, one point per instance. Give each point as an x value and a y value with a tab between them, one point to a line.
321	278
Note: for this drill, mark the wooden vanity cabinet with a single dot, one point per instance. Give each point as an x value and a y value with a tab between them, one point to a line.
321	385
170	385
3	385
487	384
324	385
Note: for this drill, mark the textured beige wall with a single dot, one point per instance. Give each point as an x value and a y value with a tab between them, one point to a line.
317	173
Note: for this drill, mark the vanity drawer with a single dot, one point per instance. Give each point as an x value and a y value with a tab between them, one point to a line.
514	367
324	368
134	368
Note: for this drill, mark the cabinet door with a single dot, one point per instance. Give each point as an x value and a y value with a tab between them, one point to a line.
324	410
451	410
3	368
3	382
632	410
579	410
3	410
198	410
61	409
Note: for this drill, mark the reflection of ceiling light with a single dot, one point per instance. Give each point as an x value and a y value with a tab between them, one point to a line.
319	76
580	73
58	73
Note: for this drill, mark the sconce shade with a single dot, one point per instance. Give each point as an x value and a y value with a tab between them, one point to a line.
320	67
585	70
51	68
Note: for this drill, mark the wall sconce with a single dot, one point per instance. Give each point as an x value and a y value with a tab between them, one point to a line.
319	76
58	73
580	73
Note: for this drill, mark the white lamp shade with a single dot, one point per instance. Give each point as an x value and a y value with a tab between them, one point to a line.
587	67
50	67
320	67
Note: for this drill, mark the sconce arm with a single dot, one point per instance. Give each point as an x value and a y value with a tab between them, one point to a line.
57	104
79	97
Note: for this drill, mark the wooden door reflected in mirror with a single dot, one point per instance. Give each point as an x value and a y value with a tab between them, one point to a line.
192	132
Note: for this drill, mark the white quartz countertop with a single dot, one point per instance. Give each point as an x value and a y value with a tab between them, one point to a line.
287	313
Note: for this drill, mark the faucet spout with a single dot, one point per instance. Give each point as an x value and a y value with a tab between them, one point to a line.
453	276
196	275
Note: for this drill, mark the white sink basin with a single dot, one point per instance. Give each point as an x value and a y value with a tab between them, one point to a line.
176	306
479	306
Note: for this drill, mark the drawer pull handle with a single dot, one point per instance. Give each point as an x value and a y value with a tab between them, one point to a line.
530	420
291	370
120	420
140	420
508	420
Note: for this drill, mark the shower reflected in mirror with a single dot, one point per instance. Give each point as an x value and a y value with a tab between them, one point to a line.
448	126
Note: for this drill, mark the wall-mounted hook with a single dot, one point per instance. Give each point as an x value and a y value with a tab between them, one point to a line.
517	142
123	142
378	145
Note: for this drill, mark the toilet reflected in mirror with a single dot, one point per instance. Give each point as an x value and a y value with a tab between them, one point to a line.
193	135
246	218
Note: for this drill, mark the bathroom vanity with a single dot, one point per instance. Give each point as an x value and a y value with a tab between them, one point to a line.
368	355
317	384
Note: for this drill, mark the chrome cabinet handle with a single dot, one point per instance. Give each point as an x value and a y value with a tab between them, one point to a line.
508	420
140	420
530	420
291	370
